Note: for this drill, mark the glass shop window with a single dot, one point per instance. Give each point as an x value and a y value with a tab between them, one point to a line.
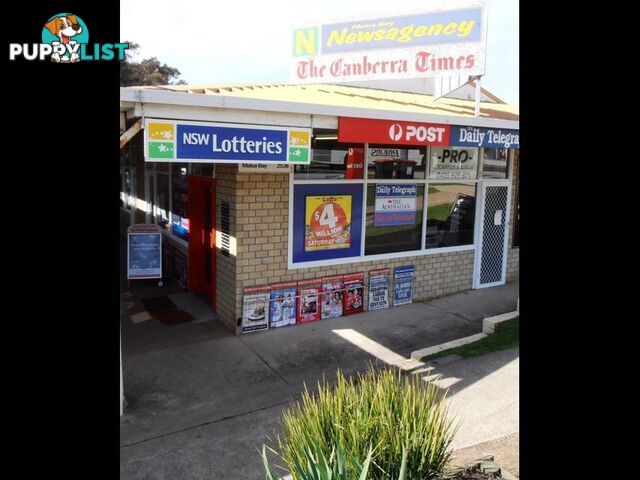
394	218
161	205
179	197
454	163
331	160
392	162
495	163
203	169
450	214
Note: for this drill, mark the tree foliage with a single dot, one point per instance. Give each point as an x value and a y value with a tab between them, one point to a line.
148	71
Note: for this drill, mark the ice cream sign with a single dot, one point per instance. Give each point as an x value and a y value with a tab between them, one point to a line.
173	141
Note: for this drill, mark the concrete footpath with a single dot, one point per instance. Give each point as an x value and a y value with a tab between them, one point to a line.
201	409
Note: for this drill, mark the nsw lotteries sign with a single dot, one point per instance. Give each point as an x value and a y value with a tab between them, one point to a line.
449	38
176	141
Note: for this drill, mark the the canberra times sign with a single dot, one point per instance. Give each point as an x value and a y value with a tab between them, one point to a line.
442	41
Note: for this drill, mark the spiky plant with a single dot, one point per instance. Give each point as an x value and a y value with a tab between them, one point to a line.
383	412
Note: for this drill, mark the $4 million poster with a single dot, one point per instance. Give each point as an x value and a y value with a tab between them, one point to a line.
255	309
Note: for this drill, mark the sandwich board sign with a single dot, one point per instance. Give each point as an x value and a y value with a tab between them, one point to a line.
144	252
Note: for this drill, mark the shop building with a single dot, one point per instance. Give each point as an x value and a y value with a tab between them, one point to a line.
449	179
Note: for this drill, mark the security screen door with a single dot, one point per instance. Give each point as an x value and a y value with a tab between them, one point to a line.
491	258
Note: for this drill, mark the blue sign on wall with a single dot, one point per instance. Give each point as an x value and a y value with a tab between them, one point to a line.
202	142
403	285
484	137
172	141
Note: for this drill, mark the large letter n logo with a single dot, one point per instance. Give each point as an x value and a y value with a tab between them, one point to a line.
306	41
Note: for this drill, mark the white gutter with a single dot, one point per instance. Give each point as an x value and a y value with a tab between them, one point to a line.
128	94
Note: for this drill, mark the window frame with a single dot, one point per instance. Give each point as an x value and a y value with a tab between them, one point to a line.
365	182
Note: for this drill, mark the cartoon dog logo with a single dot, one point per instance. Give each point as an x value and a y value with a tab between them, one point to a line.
65	32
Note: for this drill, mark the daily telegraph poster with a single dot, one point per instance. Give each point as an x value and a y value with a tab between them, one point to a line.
255	309
308	301
327	222
332	297
378	289
282	308
403	285
354	293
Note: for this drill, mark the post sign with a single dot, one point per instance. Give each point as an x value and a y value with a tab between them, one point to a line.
328	222
144	252
403	285
178	141
361	130
454	163
378	289
439	41
485	137
395	205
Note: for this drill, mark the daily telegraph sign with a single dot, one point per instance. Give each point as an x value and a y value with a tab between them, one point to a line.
485	137
177	141
442	41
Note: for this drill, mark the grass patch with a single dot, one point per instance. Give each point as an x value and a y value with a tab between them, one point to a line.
505	336
439	212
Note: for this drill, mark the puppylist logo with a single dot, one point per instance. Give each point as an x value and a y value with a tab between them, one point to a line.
65	39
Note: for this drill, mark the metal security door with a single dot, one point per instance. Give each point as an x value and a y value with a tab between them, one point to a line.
491	256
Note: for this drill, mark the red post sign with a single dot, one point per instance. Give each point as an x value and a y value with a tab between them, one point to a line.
360	130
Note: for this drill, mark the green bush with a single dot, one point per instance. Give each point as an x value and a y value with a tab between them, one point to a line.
380	411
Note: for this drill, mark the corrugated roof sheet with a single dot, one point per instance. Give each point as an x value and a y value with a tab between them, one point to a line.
348	96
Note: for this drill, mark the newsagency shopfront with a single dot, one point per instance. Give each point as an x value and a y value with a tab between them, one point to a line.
287	204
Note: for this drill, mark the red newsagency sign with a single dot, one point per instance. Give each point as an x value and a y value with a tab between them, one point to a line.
365	130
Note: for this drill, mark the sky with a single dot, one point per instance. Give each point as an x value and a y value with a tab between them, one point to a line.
249	41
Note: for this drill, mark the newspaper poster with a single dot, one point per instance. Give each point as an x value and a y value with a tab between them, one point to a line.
332	297
308	301
378	289
403	285
255	309
282	307
354	293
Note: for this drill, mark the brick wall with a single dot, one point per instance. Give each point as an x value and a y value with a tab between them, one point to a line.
226	266
260	214
513	254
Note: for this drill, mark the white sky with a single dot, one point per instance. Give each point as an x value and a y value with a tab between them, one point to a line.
243	41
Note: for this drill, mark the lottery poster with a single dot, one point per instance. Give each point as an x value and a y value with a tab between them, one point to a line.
327	222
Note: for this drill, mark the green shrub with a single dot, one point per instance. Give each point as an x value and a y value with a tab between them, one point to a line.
380	411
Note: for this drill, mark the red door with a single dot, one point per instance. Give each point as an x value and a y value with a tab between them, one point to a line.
202	237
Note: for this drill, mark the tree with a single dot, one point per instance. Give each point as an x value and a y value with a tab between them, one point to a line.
148	71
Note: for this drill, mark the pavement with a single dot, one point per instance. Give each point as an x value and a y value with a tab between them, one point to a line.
202	401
